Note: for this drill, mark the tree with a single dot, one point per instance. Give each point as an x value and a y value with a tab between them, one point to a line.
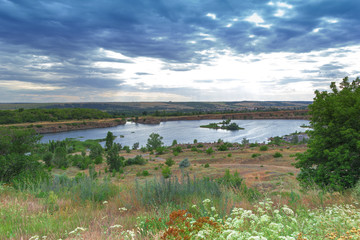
113	159
109	140
333	156
154	141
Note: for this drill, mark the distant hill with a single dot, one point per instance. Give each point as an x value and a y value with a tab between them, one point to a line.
151	107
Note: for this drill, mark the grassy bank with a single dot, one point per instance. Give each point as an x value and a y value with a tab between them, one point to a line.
238	192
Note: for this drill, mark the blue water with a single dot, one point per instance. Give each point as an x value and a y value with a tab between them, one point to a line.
187	131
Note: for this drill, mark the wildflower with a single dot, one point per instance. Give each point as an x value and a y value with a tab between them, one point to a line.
123	209
116	226
77	229
105	202
36	237
287	210
213	209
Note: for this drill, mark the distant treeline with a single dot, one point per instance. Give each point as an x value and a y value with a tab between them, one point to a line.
37	115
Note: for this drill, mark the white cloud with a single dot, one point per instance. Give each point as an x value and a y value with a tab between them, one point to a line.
279	13
211	15
257	20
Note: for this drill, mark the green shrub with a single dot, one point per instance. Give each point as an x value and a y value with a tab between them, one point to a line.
137	160
47	158
174	143
254	155
127	149
144	173
223	147
184	163
96	150
264	148
206	165
98	160
200	145
254	145
231	180
169	162
166	172
143	149
277	155
210	151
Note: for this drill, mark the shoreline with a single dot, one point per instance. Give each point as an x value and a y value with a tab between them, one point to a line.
73	125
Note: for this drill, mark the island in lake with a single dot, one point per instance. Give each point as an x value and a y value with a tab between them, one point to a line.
226	125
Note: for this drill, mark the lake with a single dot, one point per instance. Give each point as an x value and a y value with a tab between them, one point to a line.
187	131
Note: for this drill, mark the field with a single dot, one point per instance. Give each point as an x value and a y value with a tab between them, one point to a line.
138	203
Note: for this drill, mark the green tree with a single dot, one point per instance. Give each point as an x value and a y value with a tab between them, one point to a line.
95	151
154	141
333	156
109	140
114	161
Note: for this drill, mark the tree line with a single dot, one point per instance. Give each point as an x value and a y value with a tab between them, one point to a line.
53	115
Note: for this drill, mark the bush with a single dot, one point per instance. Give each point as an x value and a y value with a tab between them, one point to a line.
169	162
231	180
254	155
184	163
98	160
177	149
210	151
200	145
60	159
166	172
254	145
47	158
264	148
223	147
277	155
127	149
95	151
143	149
135	145
144	173
137	160
206	165
174	143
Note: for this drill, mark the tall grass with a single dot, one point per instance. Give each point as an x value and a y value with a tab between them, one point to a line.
80	188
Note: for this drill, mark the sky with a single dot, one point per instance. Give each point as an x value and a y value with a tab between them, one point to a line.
167	50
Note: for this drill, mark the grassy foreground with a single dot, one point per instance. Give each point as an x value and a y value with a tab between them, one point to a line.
259	198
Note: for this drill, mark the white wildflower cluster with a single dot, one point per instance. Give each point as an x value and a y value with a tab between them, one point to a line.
77	230
122	209
269	222
128	234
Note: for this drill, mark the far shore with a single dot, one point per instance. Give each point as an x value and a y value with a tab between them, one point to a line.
72	125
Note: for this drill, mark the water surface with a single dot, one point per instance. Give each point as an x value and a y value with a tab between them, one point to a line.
187	131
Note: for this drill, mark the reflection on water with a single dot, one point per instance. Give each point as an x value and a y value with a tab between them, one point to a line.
187	131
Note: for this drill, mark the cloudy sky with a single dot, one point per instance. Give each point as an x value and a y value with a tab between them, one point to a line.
167	50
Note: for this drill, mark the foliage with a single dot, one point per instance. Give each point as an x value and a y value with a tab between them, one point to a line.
184	163
174	142
277	155
37	115
137	160
175	191
254	155
144	173
60	159
223	147
206	165
265	220
166	172
16	167
264	148
169	162
210	151
231	180
154	141
109	140
18	140
114	161
135	145
332	158
96	150
47	158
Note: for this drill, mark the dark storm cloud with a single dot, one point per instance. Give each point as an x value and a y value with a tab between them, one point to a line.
57	42
162	29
